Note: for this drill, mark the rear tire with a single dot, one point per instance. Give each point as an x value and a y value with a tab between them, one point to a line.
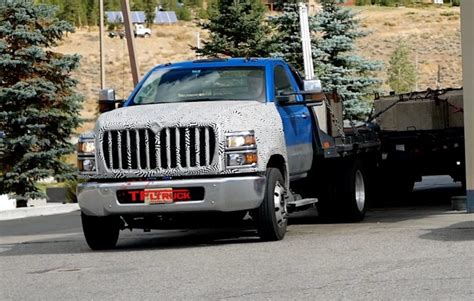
345	193
101	233
272	216
355	193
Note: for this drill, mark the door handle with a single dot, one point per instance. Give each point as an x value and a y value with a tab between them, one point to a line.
303	115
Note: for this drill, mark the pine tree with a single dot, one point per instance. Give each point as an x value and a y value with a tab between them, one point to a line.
401	72
288	40
39	108
92	11
169	5
72	12
336	64
149	6
237	30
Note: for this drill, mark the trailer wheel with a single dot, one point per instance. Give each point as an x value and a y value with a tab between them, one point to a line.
272	216
101	233
345	196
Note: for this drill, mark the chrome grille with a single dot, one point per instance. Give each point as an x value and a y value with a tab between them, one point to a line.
142	149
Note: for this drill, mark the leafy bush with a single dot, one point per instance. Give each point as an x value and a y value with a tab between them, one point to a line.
183	13
364	2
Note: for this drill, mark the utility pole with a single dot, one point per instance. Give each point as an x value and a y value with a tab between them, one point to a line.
101	37
130	41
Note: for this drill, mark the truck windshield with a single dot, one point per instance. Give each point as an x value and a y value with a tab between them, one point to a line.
202	84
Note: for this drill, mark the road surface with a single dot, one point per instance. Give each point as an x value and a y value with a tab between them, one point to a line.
414	250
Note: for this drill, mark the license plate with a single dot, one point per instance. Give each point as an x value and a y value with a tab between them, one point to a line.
158	196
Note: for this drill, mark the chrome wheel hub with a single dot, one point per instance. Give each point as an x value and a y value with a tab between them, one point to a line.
279	200
359	190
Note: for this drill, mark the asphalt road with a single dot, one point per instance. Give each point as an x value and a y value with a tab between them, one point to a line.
415	249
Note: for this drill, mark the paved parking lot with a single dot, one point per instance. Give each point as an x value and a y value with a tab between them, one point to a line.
416	249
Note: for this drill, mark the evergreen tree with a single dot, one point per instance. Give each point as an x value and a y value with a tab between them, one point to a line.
336	64
169	5
112	5
92	10
149	6
237	30
334	32
287	41
401	72
39	108
73	13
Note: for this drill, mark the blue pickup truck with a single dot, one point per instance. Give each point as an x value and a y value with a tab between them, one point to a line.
214	140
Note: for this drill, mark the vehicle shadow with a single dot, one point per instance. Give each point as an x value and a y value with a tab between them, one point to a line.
463	231
425	200
422	203
136	240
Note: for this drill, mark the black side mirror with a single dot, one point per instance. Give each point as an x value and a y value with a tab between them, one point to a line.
107	101
285	98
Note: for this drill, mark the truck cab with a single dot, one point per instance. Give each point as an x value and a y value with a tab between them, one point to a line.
201	139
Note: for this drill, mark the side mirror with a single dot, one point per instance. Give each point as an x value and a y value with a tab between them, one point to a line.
285	98
107	101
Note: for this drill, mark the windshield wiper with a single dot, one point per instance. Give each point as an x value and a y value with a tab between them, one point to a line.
191	100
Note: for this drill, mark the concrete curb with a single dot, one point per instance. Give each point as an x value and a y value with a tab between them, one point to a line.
49	209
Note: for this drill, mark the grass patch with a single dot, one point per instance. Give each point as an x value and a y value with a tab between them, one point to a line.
447	13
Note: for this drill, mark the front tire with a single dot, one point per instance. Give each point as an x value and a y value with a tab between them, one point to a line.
101	233
272	216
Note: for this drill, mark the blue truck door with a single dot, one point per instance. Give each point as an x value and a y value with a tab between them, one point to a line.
296	123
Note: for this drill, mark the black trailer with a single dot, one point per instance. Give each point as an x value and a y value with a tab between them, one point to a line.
421	134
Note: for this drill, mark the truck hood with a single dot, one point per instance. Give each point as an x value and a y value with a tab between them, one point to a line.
175	114
222	116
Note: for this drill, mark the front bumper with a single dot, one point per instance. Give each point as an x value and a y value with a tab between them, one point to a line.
220	194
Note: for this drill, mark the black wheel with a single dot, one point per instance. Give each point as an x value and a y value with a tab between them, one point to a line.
147	35
354	198
345	193
272	217
101	233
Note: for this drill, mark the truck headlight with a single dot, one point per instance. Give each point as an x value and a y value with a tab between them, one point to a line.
241	149
86	147
239	140
242	159
86	155
86	164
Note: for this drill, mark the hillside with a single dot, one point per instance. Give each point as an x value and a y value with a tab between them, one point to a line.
432	33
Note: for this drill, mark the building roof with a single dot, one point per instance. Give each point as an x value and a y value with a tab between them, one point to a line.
161	17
